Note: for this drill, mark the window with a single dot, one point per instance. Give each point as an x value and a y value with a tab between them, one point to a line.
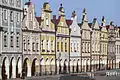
47	22
17	16
61	46
74	47
65	47
58	46
42	44
24	45
28	45
5	41
47	44
78	47
18	3
5	14
52	46
11	43
89	47
61	23
71	47
11	16
11	2
37	48
31	16
17	41
33	46
119	49
85	34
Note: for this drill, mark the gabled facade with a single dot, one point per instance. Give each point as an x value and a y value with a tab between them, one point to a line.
111	46
30	41
103	45
86	43
75	45
62	42
95	44
117	44
47	61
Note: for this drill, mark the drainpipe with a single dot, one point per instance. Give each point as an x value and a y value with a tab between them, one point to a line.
81	49
69	50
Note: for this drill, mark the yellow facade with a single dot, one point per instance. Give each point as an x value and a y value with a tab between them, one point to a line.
47	39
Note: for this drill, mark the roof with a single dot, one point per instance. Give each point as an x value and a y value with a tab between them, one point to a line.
69	22
90	24
28	3
39	20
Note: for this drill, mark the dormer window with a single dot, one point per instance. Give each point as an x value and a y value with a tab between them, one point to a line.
47	22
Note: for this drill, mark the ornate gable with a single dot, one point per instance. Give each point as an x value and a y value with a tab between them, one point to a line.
95	24
29	20
46	22
75	29
85	21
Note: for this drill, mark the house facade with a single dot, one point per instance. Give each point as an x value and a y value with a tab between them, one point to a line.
30	41
117	44
48	52
86	38
95	44
75	45
103	45
62	43
10	39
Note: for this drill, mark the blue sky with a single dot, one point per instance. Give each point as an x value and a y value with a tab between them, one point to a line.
95	8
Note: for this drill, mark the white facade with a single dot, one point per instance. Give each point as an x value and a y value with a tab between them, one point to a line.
75	44
95	44
10	35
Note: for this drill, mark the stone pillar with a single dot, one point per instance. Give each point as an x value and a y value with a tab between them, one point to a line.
14	70
29	71
7	70
20	67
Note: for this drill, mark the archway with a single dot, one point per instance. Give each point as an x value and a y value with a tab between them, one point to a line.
25	67
71	65
18	68
5	69
65	69
77	66
34	68
60	66
47	66
12	68
52	66
119	65
42	67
